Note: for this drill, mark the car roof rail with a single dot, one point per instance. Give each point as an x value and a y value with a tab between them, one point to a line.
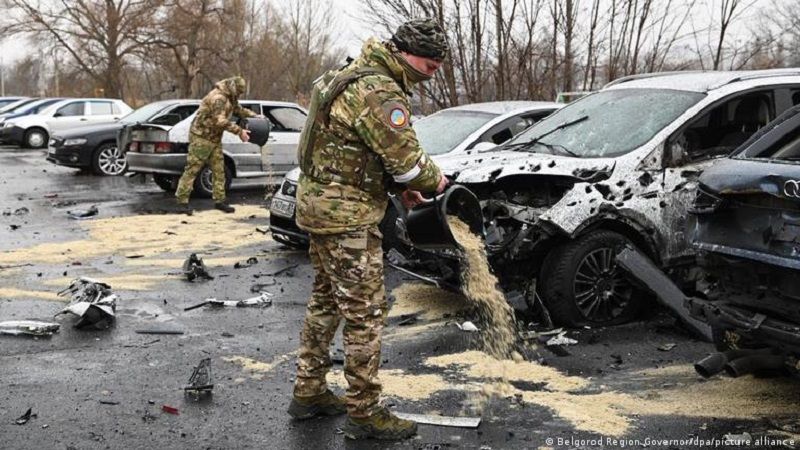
643	76
754	75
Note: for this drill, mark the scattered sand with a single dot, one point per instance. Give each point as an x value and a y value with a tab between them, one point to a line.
596	413
177	263
430	301
144	235
258	368
127	282
18	294
498	331
397	383
480	365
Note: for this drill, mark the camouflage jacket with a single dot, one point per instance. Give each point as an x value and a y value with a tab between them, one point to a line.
364	146
213	116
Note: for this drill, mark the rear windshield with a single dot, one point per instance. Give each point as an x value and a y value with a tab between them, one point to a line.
609	123
441	132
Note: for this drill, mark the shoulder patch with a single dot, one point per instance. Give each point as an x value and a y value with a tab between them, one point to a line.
396	114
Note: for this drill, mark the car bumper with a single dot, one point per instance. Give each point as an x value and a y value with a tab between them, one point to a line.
168	164
282	225
12	135
72	156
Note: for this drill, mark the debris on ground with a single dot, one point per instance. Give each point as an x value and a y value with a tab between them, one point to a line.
561	339
158	331
408	319
467	326
262	230
28	327
263	300
21	211
92	301
259	287
286	270
194	268
23	419
83	213
200	381
667	347
442	421
170	410
242	265
109	402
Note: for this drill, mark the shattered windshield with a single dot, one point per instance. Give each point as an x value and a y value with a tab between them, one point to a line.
609	123
441	132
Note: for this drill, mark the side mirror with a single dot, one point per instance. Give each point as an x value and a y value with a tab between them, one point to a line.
483	146
167	119
58	114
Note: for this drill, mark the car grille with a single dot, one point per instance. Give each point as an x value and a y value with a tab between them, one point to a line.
289	189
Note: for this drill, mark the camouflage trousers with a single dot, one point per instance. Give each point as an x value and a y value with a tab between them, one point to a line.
348	285
202	152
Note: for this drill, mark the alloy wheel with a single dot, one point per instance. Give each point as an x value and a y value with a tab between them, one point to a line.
602	292
111	161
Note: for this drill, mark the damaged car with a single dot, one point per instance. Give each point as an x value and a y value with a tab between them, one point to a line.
747	232
616	168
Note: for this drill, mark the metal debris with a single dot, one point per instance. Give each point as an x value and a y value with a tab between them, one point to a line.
263	300
442	421
194	268
259	287
250	261
92	301
285	270
170	410
561	339
23	419
159	331
467	326
200	381
28	327
83	213
667	347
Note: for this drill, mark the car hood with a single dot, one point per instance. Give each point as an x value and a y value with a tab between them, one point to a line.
293	175
90	129
492	165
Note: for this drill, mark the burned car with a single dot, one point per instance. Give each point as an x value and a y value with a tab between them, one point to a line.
616	168
747	231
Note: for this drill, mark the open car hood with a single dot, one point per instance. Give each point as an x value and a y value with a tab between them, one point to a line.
493	165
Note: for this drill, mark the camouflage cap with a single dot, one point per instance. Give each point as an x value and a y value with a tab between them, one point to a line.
422	37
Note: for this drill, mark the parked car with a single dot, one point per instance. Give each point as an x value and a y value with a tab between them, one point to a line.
747	231
617	167
8	103
161	151
95	147
34	130
33	107
452	131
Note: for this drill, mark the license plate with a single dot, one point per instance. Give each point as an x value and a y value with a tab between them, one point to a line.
282	207
147	147
51	151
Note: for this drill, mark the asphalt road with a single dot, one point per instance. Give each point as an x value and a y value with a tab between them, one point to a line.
106	389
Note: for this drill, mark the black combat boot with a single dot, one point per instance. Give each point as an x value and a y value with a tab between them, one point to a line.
325	404
184	208
224	207
381	425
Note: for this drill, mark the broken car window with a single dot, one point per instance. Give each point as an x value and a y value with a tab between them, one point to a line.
619	120
443	131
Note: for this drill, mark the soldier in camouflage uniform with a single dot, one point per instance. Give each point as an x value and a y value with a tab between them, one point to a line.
358	144
205	140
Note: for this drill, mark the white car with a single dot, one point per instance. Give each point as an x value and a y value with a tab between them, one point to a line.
35	130
460	130
161	150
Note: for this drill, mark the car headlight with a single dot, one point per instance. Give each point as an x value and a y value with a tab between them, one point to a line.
78	141
289	188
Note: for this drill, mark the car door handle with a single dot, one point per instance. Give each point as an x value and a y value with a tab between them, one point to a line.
84	119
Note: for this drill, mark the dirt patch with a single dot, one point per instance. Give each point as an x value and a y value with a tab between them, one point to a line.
397	383
258	369
126	282
17	294
430	302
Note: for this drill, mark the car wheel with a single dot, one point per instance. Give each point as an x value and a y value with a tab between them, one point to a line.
166	182
108	160
36	138
582	285
204	183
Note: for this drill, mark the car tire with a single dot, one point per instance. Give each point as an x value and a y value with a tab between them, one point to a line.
166	182
582	285
107	160
203	186
35	138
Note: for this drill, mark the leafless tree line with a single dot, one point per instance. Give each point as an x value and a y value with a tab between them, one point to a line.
144	50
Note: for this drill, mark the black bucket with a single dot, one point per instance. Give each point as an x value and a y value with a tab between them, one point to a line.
259	129
427	225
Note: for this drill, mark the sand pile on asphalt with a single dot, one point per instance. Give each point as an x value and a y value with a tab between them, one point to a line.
148	235
497	324
430	302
